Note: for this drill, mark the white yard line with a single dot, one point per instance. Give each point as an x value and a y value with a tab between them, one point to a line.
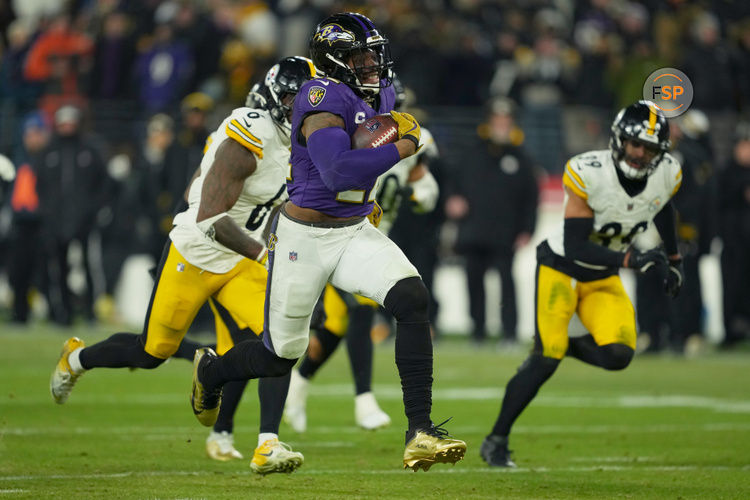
393	392
436	470
170	432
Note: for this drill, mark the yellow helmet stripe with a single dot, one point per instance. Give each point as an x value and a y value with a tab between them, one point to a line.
651	120
312	67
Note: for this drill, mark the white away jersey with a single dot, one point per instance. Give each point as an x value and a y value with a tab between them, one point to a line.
390	184
263	190
618	217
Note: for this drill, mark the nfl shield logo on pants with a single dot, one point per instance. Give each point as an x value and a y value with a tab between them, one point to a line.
292	256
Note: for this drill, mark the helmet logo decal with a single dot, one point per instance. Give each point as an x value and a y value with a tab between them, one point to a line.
271	75
316	95
333	33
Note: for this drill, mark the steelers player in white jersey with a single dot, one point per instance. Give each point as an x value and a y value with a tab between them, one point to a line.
215	251
610	197
340	314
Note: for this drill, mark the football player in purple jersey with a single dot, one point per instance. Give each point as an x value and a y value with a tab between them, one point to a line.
322	235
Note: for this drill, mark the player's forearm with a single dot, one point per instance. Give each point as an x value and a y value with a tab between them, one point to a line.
665	222
229	234
342	168
579	247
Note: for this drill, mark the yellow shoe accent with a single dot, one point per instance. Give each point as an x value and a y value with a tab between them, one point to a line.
205	403
275	456
220	446
63	377
432	446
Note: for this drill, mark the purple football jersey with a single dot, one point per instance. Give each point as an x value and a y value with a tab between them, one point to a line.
306	188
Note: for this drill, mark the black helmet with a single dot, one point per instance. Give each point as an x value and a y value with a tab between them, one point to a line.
642	122
284	78
339	39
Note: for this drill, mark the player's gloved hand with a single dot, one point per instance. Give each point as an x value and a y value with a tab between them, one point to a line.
408	128
376	214
673	282
645	261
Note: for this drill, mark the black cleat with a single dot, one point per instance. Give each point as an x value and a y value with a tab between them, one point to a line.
205	402
495	452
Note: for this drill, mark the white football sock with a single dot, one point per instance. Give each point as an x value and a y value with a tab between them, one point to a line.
74	361
265	436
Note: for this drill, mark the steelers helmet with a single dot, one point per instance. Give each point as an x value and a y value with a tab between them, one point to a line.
339	39
284	78
642	122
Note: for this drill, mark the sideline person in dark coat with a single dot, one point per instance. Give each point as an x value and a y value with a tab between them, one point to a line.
72	187
495	200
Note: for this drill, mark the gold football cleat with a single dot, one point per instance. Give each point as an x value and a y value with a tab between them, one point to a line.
205	403
64	378
220	446
432	446
275	456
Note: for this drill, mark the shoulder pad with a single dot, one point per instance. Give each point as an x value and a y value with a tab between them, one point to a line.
579	172
672	172
250	127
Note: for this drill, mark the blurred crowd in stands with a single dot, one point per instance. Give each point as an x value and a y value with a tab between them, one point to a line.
105	106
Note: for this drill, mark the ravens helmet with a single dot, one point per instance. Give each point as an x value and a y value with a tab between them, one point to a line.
348	47
641	122
283	79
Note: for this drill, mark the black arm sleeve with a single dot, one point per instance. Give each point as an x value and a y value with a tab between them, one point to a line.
578	247
665	224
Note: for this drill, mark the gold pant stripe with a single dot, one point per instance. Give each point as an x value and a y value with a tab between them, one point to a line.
602	306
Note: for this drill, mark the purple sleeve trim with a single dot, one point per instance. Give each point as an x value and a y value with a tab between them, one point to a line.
342	168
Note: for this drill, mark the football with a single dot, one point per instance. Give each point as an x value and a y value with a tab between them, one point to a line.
374	132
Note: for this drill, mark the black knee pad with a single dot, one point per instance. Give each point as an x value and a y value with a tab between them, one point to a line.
408	301
616	356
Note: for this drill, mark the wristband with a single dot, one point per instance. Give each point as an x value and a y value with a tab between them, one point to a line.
412	139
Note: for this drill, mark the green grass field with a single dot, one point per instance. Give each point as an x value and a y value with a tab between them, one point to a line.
664	428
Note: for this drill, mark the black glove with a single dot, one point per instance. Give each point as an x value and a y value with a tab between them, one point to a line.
642	262
673	281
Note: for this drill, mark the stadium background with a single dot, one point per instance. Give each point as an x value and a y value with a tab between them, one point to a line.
667	427
569	65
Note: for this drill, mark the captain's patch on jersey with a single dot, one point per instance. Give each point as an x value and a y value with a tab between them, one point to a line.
316	95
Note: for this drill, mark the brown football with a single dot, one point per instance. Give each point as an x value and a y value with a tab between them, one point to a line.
374	132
